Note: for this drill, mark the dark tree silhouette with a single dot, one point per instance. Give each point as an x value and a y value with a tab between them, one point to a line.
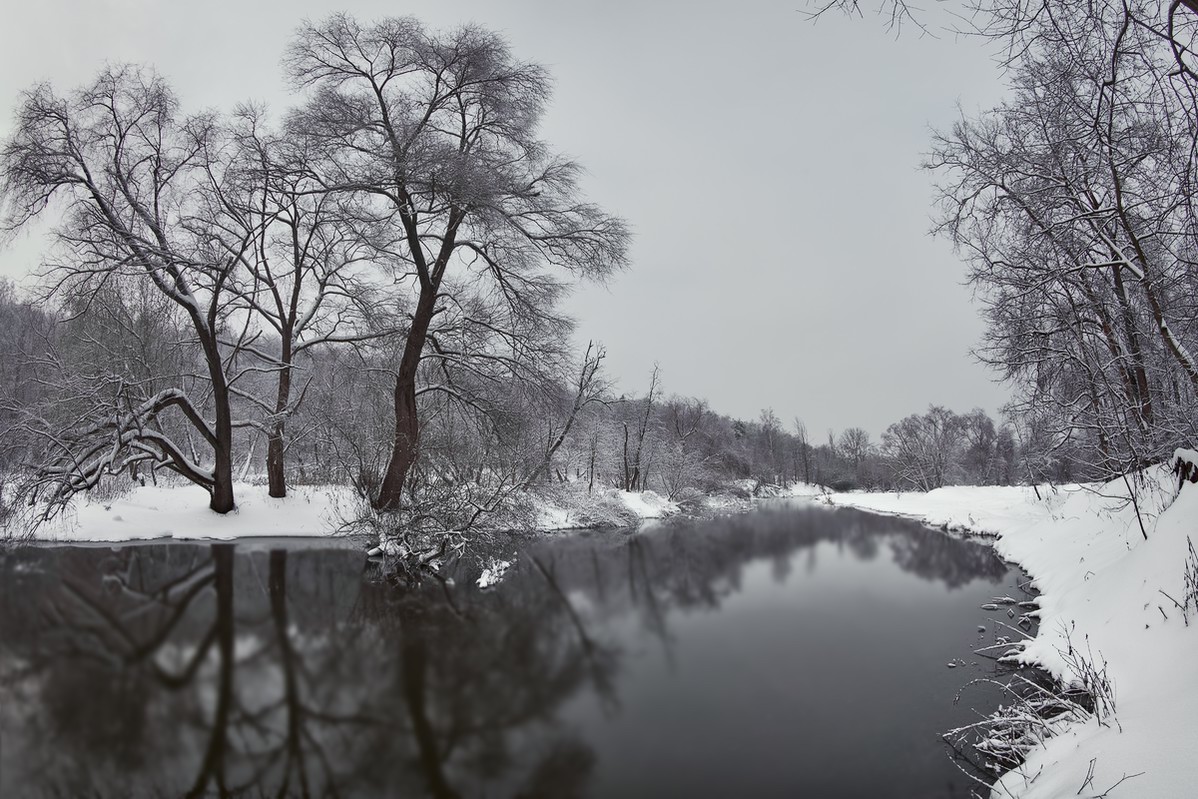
439	132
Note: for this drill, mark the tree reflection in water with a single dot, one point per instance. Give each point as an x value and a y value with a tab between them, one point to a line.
189	670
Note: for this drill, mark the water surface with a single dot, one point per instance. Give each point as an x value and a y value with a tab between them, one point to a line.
787	652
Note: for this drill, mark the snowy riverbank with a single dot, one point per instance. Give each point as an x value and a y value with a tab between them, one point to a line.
1102	590
181	511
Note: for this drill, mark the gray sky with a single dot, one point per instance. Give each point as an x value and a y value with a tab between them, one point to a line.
769	167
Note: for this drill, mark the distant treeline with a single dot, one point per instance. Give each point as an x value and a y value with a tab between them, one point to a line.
481	439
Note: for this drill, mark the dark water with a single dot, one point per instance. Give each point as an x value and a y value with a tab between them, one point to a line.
788	652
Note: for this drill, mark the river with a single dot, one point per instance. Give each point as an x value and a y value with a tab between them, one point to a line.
790	651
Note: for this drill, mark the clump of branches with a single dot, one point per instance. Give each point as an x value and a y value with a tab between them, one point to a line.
120	433
1188	604
1091	685
1036	708
1032	714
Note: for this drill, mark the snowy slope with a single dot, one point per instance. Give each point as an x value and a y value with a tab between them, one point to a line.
1100	583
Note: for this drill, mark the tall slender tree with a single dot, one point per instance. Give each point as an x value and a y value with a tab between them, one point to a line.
310	276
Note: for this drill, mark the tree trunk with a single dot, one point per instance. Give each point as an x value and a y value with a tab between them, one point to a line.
407	422
222	450
222	472
276	476
1140	373
591	464
1174	346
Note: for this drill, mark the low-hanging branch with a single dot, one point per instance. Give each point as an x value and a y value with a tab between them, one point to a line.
124	440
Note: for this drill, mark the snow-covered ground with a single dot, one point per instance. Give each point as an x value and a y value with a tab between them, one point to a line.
573	508
181	511
1102	591
806	490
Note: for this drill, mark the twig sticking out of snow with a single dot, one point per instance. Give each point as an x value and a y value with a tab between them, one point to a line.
1189	596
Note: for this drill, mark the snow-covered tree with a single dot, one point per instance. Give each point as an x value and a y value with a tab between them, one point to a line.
1072	202
123	167
923	449
438	131
311	275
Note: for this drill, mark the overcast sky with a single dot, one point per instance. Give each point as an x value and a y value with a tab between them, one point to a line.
768	166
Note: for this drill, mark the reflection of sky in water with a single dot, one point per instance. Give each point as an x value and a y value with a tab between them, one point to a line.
780	653
825	672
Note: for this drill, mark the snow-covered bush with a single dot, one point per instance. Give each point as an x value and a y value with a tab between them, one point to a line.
689	498
600	507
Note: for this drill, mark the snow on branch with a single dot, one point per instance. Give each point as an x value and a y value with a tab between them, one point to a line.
127	437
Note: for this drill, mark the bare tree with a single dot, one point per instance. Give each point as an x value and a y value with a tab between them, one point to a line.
923	448
773	455
1018	24
854	445
589	389
980	458
634	469
124	167
804	448
1071	203
307	276
439	131
684	463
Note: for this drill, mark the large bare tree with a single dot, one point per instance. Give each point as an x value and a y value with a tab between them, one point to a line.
123	166
439	131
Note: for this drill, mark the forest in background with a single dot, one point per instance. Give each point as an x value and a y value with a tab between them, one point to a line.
571	427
